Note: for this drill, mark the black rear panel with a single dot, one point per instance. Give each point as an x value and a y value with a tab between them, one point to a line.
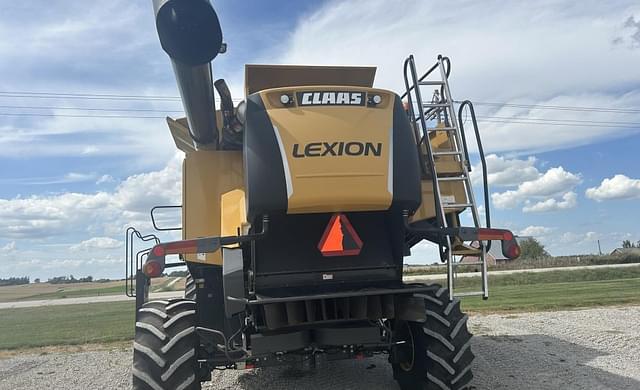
288	257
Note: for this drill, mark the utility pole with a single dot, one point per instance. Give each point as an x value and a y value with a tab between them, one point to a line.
599	249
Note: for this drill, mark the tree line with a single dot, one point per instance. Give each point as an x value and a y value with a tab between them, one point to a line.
13	281
16	281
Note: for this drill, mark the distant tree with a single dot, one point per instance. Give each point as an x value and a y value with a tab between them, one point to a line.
36	280
69	279
629	244
13	281
532	249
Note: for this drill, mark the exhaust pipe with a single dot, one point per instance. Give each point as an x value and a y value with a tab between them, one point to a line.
190	34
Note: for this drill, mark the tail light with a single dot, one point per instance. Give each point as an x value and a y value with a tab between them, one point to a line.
153	269
510	249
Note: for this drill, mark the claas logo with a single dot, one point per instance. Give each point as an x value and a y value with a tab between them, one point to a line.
340	238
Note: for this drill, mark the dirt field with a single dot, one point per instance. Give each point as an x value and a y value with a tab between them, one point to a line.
582	349
48	291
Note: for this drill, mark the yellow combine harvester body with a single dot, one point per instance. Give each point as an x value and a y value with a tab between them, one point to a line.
299	206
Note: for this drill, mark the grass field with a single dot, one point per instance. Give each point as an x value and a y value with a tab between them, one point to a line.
520	264
66	325
73	290
108	322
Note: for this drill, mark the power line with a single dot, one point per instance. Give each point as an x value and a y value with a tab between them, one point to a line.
560	120
560	108
87	95
104	96
149	98
82	116
88	109
559	124
90	96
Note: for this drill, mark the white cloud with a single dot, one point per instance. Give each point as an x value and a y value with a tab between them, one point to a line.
8	248
535	231
71	177
552	61
74	177
569	200
503	171
617	187
554	182
105	179
97	243
89	149
104	213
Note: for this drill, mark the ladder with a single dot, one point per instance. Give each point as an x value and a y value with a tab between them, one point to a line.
441	109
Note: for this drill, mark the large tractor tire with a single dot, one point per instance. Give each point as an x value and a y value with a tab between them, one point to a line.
164	348
190	288
437	354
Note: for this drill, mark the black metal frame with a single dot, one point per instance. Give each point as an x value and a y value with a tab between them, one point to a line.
134	260
427	168
153	220
485	181
409	65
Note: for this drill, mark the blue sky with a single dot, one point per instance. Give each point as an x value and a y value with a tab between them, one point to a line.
70	185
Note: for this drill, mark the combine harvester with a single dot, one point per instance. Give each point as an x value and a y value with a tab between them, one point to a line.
298	207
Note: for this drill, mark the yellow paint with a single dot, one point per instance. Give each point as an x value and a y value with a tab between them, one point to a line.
335	183
207	176
234	213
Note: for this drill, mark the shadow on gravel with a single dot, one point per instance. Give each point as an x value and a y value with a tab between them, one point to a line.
543	362
530	362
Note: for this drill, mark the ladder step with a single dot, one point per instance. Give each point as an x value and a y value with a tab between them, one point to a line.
469	294
431	83
455	178
469	263
435	105
456	205
442	129
450	153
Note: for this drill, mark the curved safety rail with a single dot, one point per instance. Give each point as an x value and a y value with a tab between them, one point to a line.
485	182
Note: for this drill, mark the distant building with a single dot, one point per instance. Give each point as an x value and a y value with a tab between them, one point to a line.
493	257
491	260
626	252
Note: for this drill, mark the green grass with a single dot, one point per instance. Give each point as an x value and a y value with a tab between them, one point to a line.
66	325
536	278
556	296
528	291
108	322
547	262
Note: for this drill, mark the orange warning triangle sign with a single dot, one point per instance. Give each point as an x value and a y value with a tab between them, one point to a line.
340	238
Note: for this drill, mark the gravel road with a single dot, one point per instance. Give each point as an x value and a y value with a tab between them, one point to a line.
583	349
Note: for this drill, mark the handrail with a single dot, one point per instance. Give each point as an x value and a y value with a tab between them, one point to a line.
153	220
130	267
410	63
428	72
485	181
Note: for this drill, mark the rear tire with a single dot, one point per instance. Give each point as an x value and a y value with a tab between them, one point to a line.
189	287
164	348
437	354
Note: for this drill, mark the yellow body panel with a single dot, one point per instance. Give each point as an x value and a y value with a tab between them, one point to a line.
234	213
207	177
451	192
335	183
